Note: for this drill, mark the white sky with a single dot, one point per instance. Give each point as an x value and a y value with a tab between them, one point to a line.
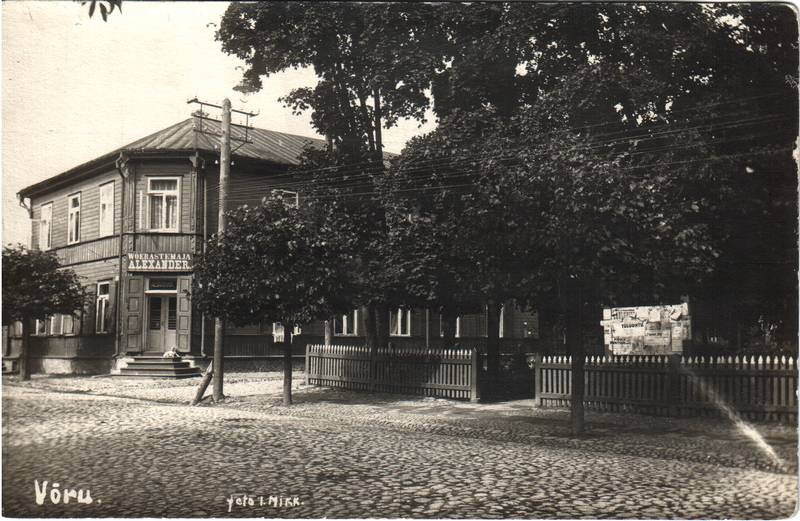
74	88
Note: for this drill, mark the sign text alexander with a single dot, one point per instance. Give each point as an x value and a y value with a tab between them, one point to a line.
159	261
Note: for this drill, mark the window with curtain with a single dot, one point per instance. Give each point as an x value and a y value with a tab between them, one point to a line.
163	202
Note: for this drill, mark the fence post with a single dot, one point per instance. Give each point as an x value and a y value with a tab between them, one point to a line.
673	383
308	362
473	392
537	379
372	369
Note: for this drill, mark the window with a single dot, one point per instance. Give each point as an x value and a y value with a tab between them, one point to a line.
107	209
400	322
278	332
458	327
67	325
346	325
101	319
74	219
502	317
40	328
163	204
55	324
45	228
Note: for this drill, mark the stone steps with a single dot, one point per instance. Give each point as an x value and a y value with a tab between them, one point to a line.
157	367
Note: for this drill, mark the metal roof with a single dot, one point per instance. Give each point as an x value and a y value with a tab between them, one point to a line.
203	134
265	145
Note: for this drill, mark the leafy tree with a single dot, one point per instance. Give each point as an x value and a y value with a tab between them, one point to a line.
271	266
106	7
727	70
36	287
373	63
456	224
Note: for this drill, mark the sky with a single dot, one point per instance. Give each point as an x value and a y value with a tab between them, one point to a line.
75	87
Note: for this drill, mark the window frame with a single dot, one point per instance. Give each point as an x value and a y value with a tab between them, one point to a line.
70	212
342	319
106	303
163	194
110	224
456	333
399	321
49	242
279	331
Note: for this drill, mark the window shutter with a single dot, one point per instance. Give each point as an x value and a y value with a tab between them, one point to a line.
184	315
133	323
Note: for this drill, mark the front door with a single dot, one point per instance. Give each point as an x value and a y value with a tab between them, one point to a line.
162	322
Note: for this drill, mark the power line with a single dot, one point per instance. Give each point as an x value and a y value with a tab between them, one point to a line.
268	184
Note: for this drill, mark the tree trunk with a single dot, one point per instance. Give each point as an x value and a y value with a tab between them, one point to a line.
329	331
370	328
287	366
25	352
376	94
576	350
493	340
219	350
382	324
448	326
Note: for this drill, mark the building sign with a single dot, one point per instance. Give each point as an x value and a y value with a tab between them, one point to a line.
159	261
646	330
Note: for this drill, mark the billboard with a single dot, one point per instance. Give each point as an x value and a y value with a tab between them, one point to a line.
646	330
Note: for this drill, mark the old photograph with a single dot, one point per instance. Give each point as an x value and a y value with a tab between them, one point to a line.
412	260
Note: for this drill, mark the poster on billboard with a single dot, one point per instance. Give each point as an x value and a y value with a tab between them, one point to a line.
646	330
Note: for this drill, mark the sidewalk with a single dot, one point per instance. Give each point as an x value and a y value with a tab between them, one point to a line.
708	440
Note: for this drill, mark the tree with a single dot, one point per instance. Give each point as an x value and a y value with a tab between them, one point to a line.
455	223
106	7
271	266
373	63
34	288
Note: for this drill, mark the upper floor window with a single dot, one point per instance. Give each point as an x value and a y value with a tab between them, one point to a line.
400	322
163	200
346	325
101	308
74	218
107	209
45	226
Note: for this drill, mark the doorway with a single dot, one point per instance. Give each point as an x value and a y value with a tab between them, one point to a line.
162	322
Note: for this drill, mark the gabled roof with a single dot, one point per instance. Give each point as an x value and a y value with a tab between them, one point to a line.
265	145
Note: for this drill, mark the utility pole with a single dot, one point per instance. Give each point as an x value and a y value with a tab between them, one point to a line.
224	178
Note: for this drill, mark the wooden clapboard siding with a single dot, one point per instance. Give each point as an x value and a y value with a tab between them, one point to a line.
247	186
180	168
106	248
155	242
90	209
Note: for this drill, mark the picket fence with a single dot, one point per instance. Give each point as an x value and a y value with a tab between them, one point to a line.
753	387
445	373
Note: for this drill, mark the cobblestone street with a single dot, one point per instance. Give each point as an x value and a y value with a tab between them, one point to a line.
141	451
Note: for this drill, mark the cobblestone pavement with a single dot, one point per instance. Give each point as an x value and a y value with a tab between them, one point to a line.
348	455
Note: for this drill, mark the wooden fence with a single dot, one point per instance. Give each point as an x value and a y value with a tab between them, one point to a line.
445	373
755	388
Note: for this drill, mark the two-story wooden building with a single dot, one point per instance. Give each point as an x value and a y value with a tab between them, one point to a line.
131	222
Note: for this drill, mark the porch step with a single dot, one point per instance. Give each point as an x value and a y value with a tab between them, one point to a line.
158	367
